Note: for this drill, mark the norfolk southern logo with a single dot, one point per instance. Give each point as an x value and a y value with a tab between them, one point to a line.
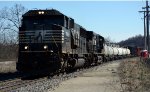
38	37
67	34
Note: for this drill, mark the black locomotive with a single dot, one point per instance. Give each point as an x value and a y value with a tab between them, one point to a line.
51	41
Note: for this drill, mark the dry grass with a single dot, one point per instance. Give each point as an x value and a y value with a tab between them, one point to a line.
5	60
8	67
135	75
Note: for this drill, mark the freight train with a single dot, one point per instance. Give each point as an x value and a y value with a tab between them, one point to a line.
50	41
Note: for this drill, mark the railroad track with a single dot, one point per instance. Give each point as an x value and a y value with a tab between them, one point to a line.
13	84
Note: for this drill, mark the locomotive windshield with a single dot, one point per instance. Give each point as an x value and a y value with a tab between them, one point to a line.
42	22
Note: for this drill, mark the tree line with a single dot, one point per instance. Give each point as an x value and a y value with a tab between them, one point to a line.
137	40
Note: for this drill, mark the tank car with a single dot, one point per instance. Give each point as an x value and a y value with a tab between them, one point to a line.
113	52
116	52
108	52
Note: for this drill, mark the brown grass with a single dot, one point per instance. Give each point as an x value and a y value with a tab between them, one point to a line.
135	75
5	60
8	67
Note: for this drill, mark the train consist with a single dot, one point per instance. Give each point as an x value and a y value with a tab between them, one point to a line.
51	41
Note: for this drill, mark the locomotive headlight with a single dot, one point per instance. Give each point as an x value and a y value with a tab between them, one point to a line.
45	47
41	12
26	47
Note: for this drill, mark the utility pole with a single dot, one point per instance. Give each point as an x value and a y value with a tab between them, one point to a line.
146	27
145	34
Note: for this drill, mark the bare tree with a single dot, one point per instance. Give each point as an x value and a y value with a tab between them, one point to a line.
11	18
10	21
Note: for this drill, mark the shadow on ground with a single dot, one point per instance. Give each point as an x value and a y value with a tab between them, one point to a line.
6	76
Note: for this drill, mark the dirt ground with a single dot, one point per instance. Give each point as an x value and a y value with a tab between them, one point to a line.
103	78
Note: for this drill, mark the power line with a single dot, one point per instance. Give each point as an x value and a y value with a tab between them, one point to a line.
146	27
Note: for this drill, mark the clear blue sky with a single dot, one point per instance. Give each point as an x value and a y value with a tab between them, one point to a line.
118	20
